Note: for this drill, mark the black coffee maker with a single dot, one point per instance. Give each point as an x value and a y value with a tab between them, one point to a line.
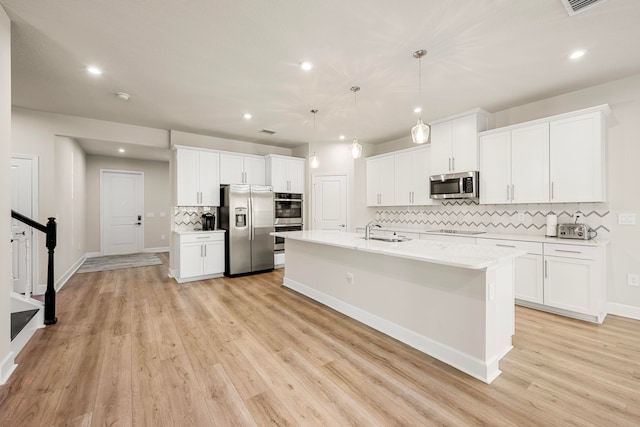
208	221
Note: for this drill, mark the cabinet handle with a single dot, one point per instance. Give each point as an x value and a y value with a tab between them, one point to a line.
551	190
513	192
203	237
505	246
453	163
205	250
567	251
449	164
508	192
546	268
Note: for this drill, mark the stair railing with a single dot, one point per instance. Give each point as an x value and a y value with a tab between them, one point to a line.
50	231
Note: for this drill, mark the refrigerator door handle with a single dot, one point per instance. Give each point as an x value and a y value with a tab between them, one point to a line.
250	217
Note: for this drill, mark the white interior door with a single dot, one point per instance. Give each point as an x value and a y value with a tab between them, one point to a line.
122	204
22	236
330	197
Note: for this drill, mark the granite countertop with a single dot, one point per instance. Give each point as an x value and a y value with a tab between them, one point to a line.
475	257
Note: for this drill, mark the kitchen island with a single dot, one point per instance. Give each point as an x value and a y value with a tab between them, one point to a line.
453	302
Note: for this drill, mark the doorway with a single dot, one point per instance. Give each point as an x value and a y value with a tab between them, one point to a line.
121	207
330	196
24	242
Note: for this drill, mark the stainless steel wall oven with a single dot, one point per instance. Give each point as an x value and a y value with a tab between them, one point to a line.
288	208
278	246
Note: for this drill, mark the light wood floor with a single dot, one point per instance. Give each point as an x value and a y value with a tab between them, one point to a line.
132	347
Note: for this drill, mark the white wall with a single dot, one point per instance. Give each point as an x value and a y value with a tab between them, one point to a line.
70	178
157	199
6	359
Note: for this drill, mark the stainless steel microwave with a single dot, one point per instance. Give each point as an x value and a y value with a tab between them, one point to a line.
463	185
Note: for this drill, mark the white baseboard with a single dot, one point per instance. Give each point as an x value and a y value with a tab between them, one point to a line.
157	250
67	275
7	366
623	310
471	365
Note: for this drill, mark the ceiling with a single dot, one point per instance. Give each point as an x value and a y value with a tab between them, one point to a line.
198	65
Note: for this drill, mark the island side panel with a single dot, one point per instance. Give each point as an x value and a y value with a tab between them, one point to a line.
438	309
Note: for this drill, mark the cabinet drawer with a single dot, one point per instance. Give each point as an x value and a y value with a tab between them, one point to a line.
531	247
571	251
201	237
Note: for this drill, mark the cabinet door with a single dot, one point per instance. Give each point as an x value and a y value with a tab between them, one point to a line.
213	260
441	134
528	278
421	172
403	179
530	164
209	178
464	144
279	175
191	259
373	182
231	169
495	168
254	170
387	176
568	284
187	178
295	175
576	153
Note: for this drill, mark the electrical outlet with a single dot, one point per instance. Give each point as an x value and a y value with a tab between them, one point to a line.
162	237
520	217
150	214
633	279
627	219
350	278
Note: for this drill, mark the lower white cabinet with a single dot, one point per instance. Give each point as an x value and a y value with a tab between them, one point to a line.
200	256
562	278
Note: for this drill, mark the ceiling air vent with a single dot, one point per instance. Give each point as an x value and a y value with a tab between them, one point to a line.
577	6
268	131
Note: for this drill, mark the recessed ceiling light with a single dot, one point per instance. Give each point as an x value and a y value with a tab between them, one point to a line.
121	150
577	54
306	65
247	116
417	110
92	69
123	95
342	136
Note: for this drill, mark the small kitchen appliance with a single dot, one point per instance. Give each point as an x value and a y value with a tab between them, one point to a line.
208	221
575	231
463	185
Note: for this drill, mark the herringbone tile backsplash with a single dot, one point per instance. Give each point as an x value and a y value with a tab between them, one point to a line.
469	215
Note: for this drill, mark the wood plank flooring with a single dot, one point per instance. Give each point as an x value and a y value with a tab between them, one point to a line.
133	347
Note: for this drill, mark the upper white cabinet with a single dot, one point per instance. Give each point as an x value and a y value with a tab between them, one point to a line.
556	159
197	178
400	178
242	169
380	181
411	177
285	174
454	142
577	153
514	165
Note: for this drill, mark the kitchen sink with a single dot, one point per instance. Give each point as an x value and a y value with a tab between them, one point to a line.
390	238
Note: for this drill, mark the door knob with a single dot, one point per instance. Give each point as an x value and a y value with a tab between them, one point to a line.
342	225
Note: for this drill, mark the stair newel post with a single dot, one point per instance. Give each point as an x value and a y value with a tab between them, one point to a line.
50	294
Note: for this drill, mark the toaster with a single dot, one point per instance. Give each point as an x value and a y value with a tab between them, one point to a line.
574	231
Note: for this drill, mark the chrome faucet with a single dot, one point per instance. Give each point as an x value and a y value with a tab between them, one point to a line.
367	230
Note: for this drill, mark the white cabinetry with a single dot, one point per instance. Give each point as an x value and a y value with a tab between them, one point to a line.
514	165
200	256
578	158
528	268
411	177
454	142
556	159
197	178
285	174
380	181
242	169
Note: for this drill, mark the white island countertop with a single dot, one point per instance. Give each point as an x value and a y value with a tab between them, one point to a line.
473	257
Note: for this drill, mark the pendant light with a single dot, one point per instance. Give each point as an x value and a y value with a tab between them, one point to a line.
314	162
420	132
356	147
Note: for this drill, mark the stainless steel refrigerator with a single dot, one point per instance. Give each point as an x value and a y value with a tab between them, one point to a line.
246	213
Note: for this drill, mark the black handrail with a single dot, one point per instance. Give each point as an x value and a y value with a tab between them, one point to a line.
50	231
